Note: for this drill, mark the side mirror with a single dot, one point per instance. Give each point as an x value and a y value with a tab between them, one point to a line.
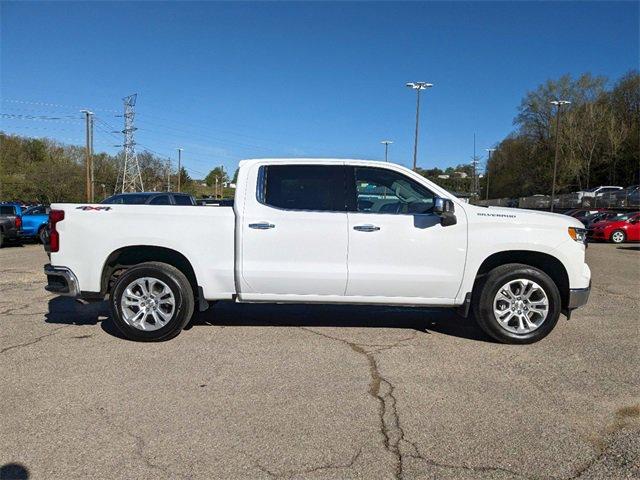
444	208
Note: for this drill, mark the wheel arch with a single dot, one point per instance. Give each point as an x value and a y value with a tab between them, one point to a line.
121	259
549	264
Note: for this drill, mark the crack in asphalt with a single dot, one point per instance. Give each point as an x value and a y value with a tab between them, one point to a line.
320	468
139	451
382	390
36	340
624	418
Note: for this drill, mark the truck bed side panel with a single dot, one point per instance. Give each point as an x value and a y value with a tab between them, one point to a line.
204	235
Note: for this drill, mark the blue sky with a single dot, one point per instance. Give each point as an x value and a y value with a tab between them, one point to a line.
227	81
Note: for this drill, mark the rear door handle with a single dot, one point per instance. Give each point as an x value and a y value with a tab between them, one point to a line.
366	228
262	225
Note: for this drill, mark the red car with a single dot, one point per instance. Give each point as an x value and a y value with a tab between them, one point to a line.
625	228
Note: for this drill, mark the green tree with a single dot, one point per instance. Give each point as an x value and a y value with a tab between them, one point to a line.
218	174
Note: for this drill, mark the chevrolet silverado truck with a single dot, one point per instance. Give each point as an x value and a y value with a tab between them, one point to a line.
322	231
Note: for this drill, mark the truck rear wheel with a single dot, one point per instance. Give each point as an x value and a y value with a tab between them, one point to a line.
151	301
517	304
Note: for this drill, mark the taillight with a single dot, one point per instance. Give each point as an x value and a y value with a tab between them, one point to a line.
55	216
18	223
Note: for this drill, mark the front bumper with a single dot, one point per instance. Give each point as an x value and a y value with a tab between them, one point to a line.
578	297
61	280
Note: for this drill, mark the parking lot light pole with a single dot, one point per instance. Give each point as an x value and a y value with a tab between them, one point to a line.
179	166
490	150
417	86
558	104
386	144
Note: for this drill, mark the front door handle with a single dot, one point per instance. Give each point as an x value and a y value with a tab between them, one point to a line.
262	225
366	228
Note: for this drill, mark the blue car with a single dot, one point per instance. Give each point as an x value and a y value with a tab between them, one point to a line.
34	223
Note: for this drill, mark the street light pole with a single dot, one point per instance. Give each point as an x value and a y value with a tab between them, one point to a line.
89	156
490	150
417	86
558	104
386	144
179	166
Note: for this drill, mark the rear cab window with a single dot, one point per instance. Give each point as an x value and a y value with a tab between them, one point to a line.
160	200
7	210
128	199
182	199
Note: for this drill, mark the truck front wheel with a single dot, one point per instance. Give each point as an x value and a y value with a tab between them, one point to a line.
151	301
516	303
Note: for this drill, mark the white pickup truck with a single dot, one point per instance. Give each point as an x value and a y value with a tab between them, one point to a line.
322	231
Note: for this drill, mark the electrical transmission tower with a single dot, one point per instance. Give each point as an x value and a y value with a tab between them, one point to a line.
131	177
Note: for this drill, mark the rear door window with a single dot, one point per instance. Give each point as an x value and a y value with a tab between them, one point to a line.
303	187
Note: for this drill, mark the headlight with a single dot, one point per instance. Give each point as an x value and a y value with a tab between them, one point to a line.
578	234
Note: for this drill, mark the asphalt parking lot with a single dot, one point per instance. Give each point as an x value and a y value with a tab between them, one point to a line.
254	391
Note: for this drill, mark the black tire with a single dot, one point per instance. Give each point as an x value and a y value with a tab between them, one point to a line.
1	239
486	289
618	236
42	235
180	287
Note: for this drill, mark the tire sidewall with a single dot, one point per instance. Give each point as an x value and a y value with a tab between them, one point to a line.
42	235
173	326
624	237
494	282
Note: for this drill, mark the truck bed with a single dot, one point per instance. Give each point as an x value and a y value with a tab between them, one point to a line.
204	235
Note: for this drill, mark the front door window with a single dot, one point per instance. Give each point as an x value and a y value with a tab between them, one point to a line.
380	190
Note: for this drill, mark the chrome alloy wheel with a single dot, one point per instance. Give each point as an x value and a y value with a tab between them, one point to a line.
521	306
147	304
617	237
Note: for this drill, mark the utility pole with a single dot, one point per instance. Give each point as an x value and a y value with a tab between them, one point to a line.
131	176
386	144
486	170
88	163
179	166
168	174
558	104
417	86
474	162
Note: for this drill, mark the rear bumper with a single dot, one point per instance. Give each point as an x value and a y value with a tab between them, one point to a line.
11	234
61	280
578	297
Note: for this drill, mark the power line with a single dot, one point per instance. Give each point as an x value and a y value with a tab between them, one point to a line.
41	118
49	104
